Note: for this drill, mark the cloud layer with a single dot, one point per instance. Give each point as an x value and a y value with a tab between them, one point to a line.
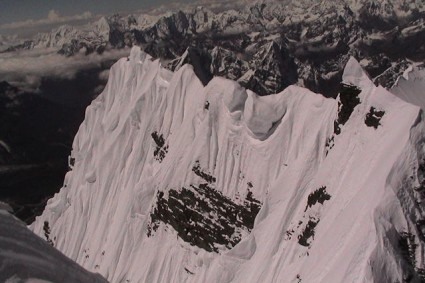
215	5
27	68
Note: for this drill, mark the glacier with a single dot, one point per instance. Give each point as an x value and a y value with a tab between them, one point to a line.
172	181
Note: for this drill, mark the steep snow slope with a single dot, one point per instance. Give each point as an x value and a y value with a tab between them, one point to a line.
176	182
24	257
411	86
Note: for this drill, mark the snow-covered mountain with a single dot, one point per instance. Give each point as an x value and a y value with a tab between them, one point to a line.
309	42
24	257
172	181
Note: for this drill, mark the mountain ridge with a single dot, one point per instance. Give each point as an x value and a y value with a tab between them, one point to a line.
156	149
319	39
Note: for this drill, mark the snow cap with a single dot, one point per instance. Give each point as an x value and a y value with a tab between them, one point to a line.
137	55
262	112
355	75
410	87
233	95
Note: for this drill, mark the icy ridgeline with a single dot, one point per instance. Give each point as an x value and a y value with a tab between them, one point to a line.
24	257
169	176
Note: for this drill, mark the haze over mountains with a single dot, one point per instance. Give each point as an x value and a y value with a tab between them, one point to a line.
191	173
266	46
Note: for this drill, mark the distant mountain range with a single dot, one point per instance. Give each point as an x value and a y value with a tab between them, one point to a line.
267	45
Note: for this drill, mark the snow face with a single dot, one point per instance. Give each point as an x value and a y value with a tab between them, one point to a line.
176	182
24	257
411	86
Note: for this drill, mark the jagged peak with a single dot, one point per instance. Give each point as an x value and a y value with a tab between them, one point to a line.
102	22
267	50
138	55
201	8
64	28
233	95
355	75
143	151
413	71
146	20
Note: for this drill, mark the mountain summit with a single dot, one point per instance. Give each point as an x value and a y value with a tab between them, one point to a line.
172	181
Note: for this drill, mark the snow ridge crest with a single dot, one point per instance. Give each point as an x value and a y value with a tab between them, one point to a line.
217	184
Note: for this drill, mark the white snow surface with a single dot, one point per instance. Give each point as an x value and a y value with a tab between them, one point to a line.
411	86
25	257
277	143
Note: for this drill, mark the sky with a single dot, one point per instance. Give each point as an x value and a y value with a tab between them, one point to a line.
24	16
